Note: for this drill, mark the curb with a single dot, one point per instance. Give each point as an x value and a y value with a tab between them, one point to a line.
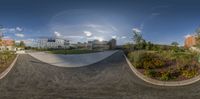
161	83
5	72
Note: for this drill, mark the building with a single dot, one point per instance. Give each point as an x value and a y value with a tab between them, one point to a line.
81	45
112	43
190	41
53	43
98	45
7	44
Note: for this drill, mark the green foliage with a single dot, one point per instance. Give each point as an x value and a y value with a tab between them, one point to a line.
165	76
150	73
189	73
174	43
147	60
128	46
135	58
6	57
186	64
140	43
21	44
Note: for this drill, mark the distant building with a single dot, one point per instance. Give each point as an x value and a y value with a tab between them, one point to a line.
7	44
98	45
190	41
112	43
54	43
81	45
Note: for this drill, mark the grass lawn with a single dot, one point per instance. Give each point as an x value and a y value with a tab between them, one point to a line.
6	58
166	65
71	51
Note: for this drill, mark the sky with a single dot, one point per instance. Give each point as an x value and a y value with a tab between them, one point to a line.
159	21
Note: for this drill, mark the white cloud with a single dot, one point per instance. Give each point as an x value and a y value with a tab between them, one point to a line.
96	38
78	37
19	29
136	30
19	35
87	33
188	35
57	34
123	37
7	37
114	36
100	39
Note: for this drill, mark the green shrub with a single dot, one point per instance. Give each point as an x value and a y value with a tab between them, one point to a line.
147	60
165	76
189	73
6	57
136	57
150	73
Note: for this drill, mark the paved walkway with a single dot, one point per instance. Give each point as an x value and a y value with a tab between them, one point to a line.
111	78
71	60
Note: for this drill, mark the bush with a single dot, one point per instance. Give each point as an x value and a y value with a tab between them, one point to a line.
147	60
165	76
6	57
150	73
174	64
135	58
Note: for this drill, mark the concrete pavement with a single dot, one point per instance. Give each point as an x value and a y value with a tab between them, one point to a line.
110	78
71	60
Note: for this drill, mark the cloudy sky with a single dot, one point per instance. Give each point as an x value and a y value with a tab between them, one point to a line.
159	21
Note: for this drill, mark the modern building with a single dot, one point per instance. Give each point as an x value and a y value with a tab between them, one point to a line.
190	41
53	43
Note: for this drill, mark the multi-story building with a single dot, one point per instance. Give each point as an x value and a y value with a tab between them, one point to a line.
54	43
98	45
190	41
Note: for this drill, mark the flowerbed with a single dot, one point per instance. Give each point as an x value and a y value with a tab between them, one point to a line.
166	65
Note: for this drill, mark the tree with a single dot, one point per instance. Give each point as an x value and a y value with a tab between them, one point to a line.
198	36
175	48
22	44
140	43
1	34
137	37
149	46
175	44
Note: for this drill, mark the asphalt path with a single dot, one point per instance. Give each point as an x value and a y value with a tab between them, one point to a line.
111	78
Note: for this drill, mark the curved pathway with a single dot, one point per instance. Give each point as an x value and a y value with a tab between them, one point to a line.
71	60
111	78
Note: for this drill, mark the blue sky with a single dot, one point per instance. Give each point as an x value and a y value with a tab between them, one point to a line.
160	21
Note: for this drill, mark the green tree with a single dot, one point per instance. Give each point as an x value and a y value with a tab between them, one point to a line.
198	37
175	46
140	43
174	43
149	46
22	44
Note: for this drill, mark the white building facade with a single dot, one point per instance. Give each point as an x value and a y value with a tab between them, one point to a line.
54	43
